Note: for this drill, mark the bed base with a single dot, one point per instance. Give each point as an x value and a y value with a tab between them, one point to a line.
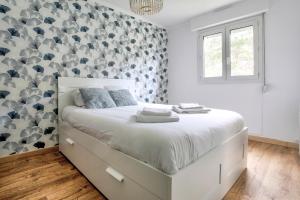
121	177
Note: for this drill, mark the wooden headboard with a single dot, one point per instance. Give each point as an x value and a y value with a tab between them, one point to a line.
67	84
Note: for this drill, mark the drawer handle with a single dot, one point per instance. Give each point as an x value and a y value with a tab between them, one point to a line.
70	141
119	177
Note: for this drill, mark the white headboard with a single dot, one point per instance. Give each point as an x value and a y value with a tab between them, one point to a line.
67	84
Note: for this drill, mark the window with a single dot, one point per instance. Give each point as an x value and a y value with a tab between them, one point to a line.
212	55
233	51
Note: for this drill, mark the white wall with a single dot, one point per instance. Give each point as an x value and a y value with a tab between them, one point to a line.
239	10
273	114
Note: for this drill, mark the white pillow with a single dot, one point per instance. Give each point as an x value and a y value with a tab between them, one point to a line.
77	98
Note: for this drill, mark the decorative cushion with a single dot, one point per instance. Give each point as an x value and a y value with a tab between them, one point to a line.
120	87
122	97
96	98
77	98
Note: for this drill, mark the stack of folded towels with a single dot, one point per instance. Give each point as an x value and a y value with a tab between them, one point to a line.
190	108
156	115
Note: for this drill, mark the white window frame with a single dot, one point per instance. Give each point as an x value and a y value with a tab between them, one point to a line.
257	23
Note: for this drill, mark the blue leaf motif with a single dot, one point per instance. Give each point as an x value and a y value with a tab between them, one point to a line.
39	30
4	136
128	23
111	63
133	66
84	29
76	71
13	73
91	46
49	56
4	94
105	15
49	130
77	6
111	35
4	9
57	40
105	43
13	32
4	51
76	38
39	145
105	73
23	60
38	106
58	5
48	93
56	75
38	68
23	20
55	110
13	115
84	60
49	20
22	101
91	15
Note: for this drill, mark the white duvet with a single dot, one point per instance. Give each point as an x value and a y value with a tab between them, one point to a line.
165	146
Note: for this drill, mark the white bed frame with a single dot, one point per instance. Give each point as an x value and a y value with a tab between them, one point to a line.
122	177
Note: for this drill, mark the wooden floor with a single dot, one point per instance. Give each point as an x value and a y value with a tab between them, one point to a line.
273	173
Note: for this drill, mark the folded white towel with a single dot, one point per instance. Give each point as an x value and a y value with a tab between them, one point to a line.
190	111
156	111
190	105
156	119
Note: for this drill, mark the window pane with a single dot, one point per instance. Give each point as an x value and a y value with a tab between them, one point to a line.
212	55
242	51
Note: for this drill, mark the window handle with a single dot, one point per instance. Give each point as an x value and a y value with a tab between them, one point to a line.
243	151
220	174
228	60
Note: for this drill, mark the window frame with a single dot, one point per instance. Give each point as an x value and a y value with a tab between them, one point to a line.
225	29
208	33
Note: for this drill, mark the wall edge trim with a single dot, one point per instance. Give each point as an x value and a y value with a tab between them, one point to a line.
273	141
15	157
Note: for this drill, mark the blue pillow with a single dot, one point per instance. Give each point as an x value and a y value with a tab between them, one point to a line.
122	97
96	98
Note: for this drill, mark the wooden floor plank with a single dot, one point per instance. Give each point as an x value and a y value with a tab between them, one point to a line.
36	177
29	163
273	173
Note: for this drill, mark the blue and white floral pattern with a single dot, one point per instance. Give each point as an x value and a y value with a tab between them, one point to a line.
42	40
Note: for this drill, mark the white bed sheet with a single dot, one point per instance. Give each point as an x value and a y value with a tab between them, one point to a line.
165	146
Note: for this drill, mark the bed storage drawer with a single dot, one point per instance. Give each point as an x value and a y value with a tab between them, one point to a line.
113	184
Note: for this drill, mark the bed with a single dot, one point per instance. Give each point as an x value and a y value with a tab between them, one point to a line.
121	165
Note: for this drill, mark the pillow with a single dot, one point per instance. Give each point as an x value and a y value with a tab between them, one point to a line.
96	98
120	87
122	97
77	98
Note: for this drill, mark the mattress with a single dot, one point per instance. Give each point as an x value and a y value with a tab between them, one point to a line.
168	147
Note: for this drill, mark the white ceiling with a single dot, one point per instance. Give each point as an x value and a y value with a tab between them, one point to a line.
178	11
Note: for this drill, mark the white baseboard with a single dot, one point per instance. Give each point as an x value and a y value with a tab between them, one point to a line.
273	141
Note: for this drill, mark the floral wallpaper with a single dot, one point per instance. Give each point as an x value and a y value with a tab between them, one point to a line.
42	40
